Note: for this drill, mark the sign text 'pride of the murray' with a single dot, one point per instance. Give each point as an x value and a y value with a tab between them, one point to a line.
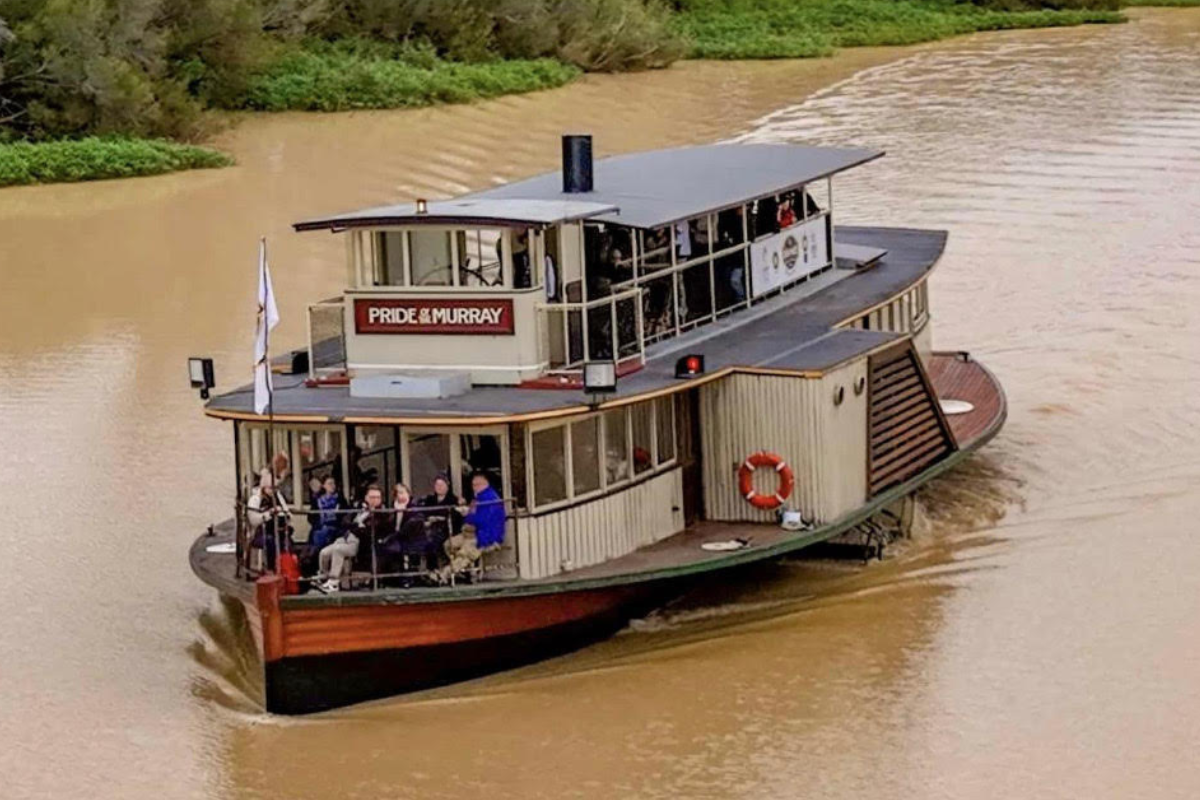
393	315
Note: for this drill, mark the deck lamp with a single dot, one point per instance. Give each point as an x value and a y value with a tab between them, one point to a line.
689	366
600	377
422	206
200	372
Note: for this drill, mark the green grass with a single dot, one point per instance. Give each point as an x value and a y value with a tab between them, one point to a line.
95	158
357	74
807	28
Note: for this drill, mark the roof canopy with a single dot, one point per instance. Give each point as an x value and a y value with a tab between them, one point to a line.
642	190
469	210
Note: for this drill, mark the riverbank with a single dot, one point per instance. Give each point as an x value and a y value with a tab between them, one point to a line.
739	29
359	73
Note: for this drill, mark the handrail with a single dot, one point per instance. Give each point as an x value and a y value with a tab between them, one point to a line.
358	522
616	342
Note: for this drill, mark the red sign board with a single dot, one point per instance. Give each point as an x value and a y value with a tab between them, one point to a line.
394	315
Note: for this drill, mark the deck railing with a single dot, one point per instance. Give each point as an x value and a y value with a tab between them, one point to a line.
368	570
608	328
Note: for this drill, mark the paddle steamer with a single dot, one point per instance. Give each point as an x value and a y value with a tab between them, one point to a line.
760	379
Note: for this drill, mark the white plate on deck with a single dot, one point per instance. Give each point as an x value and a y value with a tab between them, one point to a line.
224	548
952	407
720	547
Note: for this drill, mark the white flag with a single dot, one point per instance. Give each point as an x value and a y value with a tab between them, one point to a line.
268	318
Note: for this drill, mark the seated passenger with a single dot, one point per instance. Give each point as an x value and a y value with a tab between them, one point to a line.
787	215
486	514
329	522
483	529
440	510
334	555
269	519
405	538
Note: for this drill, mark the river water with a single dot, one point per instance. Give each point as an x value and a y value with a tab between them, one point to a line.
1038	638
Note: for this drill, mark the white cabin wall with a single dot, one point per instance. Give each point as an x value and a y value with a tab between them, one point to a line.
605	528
923	341
825	445
503	359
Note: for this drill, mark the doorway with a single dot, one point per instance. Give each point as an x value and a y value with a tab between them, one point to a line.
687	423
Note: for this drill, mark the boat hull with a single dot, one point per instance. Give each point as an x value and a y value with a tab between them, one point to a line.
318	659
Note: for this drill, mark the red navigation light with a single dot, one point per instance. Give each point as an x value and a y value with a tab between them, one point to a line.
689	366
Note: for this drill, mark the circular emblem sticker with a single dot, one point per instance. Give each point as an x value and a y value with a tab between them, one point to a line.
790	252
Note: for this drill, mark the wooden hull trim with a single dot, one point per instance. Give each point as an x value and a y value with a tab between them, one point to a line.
307	682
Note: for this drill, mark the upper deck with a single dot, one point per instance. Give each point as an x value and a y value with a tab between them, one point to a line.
811	327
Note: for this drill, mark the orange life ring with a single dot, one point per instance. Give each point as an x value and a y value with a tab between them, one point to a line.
787	481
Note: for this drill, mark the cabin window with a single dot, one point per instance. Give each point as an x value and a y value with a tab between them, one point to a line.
375	457
319	453
642	424
479	258
524	258
389	258
551	265
664	426
297	455
602	451
480	453
428	456
549	465
431	258
520	492
585	455
616	446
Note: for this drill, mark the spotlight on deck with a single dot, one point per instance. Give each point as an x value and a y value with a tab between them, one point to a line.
689	366
200	372
600	377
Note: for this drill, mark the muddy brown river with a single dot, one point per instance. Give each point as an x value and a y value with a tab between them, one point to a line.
1040	637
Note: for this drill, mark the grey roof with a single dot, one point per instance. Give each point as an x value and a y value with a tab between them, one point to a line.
643	190
663	186
790	331
477	210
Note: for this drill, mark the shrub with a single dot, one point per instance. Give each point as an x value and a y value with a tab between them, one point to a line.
334	80
94	158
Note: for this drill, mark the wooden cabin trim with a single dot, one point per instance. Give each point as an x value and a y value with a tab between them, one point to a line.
923	278
553	413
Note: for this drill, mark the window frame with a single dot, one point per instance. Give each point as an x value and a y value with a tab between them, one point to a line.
364	251
607	487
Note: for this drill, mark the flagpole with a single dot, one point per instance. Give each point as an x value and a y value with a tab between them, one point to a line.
271	414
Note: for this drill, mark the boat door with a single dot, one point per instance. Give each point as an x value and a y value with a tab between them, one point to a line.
687	421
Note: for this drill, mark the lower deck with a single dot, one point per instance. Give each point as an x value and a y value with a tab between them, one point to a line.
954	377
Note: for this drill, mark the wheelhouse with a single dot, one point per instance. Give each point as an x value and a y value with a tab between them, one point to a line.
664	243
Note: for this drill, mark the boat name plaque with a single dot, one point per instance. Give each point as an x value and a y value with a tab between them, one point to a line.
399	316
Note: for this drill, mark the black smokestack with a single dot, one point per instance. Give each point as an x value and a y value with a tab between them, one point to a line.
577	164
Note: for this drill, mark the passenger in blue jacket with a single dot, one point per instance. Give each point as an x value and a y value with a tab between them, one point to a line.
483	530
486	513
329	521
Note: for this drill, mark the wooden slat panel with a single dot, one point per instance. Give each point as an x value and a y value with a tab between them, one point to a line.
907	429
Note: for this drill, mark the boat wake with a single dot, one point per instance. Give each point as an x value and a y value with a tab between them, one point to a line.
231	676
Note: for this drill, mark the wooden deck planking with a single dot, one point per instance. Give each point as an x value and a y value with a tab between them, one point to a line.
957	379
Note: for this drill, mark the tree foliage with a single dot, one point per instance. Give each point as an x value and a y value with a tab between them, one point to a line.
150	67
